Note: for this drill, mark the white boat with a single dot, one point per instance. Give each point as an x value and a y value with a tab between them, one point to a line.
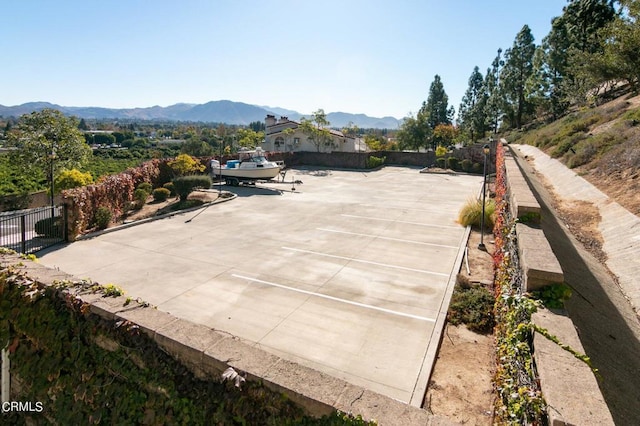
250	166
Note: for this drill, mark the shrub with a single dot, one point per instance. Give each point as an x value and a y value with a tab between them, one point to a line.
50	227
441	162
441	151
466	165
476	168
184	185
472	307
73	178
185	164
452	163
139	198
471	213
169	186
145	186
161	194
103	217
373	162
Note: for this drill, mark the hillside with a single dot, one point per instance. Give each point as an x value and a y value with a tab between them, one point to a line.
602	144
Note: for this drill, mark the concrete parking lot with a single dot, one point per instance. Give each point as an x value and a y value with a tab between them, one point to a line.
347	274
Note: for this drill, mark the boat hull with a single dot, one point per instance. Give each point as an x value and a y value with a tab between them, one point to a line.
247	173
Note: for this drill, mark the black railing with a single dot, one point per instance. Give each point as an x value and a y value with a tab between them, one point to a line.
29	231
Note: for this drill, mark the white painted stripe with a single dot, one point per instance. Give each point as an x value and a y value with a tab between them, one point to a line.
387	238
336	299
351	259
438	208
402	221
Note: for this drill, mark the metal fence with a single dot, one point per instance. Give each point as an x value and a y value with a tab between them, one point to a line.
28	231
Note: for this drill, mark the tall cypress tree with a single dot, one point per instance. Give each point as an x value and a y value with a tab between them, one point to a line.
517	69
436	108
472	112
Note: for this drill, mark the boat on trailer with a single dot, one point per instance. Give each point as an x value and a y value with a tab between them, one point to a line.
250	166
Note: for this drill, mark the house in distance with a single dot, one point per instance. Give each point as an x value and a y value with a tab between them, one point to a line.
284	135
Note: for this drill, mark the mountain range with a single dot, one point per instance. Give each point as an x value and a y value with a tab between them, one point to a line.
223	111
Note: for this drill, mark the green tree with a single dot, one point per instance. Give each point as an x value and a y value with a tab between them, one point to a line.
185	164
517	69
494	103
436	109
48	141
68	179
196	148
621	46
472	112
316	128
415	132
249	138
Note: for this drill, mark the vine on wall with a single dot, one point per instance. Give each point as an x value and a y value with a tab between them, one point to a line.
520	400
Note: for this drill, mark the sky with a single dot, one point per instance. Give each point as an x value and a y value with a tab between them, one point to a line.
370	57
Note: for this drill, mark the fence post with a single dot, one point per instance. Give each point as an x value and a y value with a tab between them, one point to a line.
23	233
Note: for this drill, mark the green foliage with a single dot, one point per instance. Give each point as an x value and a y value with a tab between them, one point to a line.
73	178
466	165
452	163
48	139
103	217
139	198
472	307
373	161
161	194
145	186
86	369
184	185
441	151
185	164
50	227
553	296
476	168
471	213
441	162
170	187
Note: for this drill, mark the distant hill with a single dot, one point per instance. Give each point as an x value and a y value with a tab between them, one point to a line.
223	111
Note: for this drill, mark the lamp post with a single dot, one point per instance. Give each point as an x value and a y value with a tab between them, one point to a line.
485	149
52	159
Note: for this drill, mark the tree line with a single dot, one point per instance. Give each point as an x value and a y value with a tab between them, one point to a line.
591	50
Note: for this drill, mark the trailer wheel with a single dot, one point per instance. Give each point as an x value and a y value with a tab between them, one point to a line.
234	182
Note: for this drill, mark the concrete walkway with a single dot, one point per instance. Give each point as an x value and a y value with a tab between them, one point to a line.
620	228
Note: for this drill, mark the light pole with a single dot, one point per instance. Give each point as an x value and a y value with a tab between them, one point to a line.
52	159
485	149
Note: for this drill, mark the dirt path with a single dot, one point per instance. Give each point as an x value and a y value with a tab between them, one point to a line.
461	386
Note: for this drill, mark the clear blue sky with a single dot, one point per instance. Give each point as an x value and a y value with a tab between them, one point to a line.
359	56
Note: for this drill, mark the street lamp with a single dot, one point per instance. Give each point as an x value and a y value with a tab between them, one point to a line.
52	159
485	149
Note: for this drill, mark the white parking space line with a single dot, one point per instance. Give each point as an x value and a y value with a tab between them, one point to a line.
336	299
387	238
351	259
390	207
401	221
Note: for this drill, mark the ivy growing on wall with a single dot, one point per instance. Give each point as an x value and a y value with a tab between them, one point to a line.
84	369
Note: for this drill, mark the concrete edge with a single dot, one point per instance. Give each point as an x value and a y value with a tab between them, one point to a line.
422	383
207	353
